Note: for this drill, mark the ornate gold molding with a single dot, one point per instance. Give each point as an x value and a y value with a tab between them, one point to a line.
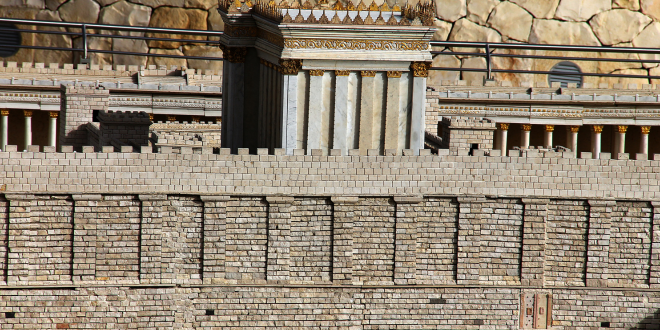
549	128
503	126
53	114
355	44
271	37
27	113
234	54
575	129
290	67
4	112
316	72
171	118
241	31
622	128
597	128
420	69
526	127
646	129
342	73
368	73
393	74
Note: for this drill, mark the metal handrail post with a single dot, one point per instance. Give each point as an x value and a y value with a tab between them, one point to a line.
488	74
84	35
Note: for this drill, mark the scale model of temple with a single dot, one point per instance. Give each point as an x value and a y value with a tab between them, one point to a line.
341	76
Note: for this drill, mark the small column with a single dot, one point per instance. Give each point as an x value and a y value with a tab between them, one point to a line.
595	140
533	242
316	109
420	73
28	128
52	127
574	138
598	242
524	135
342	239
644	140
654	276
84	237
340	129
367	112
547	138
4	130
215	238
279	238
392	112
504	135
405	240
290	69
620	139
151	227
233	101
469	263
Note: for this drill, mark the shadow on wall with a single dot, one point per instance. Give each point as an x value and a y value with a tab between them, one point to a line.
650	322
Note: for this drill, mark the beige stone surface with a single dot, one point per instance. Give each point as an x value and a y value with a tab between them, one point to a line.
23	55
627	81
539	8
566	33
214	21
607	67
655	72
443	30
106	2
473	63
446	61
95	43
158	3
211	51
37	4
547	65
618	25
651	8
626	4
504	15
200	4
125	13
51	40
581	10
513	63
54	4
129	45
649	38
167	61
478	10
451	10
464	30
85	11
177	18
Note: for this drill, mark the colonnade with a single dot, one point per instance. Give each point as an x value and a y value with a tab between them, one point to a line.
572	138
27	137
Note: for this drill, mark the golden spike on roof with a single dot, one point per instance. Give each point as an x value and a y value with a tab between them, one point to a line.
335	19
284	4
373	6
369	20
311	19
271	3
392	21
295	4
396	7
380	20
350	5
238	3
324	19
338	6
299	18
287	18
361	6
384	6
358	20
307	5
347	20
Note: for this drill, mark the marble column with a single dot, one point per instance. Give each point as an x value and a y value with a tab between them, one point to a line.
4	128
367	111
290	69
392	110
574	138
316	108
644	140
524	135
620	140
28	127
595	140
233	100
547	137
504	135
340	129
420	73
52	128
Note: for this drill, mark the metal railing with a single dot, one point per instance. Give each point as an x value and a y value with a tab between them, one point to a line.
90	30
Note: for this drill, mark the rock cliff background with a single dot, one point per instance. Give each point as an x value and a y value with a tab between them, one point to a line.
607	23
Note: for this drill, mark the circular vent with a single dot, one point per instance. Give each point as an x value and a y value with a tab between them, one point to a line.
565	73
9	37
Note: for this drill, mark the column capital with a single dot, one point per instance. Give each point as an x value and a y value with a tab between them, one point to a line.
393	74
171	118
503	126
342	73
290	66
575	129
53	114
645	129
622	128
234	54
368	73
27	113
420	69
316	72
549	128
597	128
4	112
195	119
526	127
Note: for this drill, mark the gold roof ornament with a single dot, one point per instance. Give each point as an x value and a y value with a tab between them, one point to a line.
287	18
380	20
284	4
335	19
307	5
369	20
338	5
324	19
295	5
299	18
249	3
392	21
350	5
404	21
396	7
358	19
245	8
323	4
361	6
373	6
347	20
271	3
384	7
311	19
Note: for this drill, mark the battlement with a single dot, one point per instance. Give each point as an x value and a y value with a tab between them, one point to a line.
468	123
123	117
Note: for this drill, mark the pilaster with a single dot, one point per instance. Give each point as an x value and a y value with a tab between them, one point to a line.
340	128
279	238
392	110
342	239
598	242
19	224
316	109
469	240
290	105
420	73
367	111
215	238
233	101
654	274
405	240
535	215
84	237
151	227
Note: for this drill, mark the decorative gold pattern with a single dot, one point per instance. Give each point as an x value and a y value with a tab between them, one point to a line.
526	127
420	69
241	31
195	119
290	67
393	74
233	54
316	72
355	44
4	112
27	113
597	128
271	37
368	73
575	129
53	114
503	126
622	128
549	128
645	129
151	117
171	118
341	73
